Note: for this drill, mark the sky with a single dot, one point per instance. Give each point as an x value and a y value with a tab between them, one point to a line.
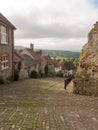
51	24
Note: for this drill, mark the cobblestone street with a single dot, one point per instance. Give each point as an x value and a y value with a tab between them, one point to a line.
43	104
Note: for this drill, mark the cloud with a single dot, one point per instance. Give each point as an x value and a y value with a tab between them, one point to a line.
54	44
63	21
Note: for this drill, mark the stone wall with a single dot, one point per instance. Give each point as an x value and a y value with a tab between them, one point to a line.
86	87
86	78
9	50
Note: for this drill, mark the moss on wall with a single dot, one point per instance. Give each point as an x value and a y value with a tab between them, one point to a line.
82	54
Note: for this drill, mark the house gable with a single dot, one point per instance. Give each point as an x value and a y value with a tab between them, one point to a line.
5	21
25	51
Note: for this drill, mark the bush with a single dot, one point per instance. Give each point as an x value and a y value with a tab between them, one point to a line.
50	75
83	54
4	80
46	70
16	75
60	74
19	66
34	74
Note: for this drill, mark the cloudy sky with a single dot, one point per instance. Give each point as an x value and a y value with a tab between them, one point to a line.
51	24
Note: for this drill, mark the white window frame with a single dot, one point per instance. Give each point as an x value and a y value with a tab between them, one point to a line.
4	34
4	62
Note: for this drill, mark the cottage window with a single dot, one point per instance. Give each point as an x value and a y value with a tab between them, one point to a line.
4	35
4	62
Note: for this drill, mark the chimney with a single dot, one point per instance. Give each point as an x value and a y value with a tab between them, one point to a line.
96	25
40	52
31	46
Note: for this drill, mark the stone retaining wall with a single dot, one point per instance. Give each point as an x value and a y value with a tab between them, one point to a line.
86	87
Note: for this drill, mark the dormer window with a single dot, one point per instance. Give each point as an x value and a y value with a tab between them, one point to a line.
4	35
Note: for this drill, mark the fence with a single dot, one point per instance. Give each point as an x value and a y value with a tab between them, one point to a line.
67	81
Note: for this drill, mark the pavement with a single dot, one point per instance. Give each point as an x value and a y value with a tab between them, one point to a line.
47	106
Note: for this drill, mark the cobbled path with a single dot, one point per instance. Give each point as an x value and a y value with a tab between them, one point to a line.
43	104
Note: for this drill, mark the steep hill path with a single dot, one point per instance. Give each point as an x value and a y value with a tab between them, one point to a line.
43	104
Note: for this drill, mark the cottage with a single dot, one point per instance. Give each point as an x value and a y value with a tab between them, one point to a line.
6	47
50	64
30	65
32	59
19	65
57	66
42	60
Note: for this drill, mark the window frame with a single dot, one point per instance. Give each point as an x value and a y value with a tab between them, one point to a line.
4	34
4	61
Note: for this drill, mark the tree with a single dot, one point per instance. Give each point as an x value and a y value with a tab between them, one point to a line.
19	66
34	74
17	71
46	70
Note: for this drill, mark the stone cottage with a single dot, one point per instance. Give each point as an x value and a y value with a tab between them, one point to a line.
6	47
19	65
50	64
86	79
32	59
57	66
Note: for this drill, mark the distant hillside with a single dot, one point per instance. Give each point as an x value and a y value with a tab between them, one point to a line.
61	53
19	47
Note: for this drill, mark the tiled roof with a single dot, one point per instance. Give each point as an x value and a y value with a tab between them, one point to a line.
63	67
36	55
17	56
28	60
49	60
6	21
40	57
33	53
56	63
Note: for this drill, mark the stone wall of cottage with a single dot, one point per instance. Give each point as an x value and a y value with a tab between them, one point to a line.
7	49
22	70
86	79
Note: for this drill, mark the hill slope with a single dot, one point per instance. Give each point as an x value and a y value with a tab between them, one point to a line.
60	53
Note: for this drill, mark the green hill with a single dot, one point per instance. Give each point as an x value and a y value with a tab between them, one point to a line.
61	53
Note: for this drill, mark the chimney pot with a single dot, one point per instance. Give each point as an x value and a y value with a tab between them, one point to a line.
31	46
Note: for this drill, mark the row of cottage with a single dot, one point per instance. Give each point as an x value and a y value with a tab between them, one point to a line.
25	60
34	61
